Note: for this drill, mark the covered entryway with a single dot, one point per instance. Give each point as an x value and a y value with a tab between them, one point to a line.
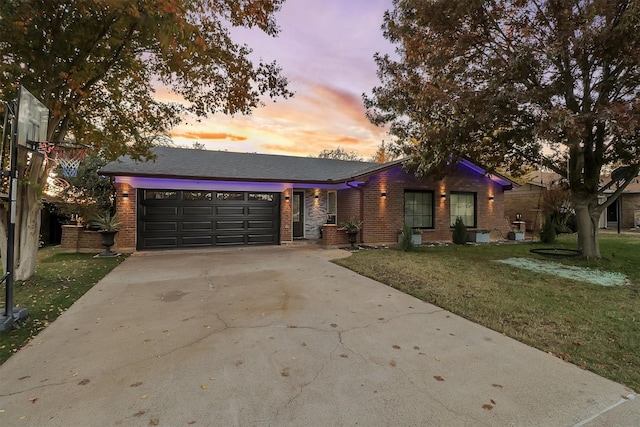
200	218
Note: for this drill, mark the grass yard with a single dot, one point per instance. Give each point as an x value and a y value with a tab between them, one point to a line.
60	279
595	327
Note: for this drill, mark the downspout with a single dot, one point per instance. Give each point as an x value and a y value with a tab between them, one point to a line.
361	204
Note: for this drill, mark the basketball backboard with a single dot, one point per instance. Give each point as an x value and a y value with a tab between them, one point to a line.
33	120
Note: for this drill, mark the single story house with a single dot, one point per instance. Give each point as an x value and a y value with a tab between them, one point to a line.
626	209
197	198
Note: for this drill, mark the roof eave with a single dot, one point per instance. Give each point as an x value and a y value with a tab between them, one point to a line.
221	178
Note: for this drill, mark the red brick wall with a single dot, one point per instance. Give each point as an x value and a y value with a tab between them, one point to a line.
383	217
125	240
77	239
286	216
333	235
348	208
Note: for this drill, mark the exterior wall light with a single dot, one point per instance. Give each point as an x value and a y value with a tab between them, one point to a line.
125	195
316	196
383	194
287	198
443	196
491	197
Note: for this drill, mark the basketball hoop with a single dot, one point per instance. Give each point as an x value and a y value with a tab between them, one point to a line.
67	155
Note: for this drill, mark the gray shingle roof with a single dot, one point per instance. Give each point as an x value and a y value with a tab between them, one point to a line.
224	165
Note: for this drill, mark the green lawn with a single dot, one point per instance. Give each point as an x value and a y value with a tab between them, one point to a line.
60	279
592	326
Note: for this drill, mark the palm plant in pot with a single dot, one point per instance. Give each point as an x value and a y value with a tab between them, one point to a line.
108	225
352	226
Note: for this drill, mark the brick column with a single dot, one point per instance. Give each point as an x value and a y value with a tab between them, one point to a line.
125	240
286	216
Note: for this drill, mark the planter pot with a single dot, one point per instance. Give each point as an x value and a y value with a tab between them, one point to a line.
479	236
516	235
107	242
352	237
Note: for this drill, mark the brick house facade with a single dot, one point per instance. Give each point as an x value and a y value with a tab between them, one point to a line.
374	193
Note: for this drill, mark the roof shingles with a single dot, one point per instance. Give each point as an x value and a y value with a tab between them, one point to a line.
224	165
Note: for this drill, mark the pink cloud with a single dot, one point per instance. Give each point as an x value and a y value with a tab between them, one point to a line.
206	135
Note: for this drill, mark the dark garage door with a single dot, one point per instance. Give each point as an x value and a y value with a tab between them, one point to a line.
186	219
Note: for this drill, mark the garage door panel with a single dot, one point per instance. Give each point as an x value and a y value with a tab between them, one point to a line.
160	226
230	210
261	211
198	240
229	225
185	218
197	226
267	225
161	211
197	210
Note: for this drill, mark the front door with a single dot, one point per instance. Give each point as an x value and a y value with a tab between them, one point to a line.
298	214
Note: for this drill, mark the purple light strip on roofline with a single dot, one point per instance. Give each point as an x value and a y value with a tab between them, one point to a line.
472	166
192	184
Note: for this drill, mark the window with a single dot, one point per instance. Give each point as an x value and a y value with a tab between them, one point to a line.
332	207
196	195
230	196
160	195
262	197
463	205
418	209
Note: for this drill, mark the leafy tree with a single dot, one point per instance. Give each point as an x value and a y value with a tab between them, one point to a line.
88	194
340	153
94	64
385	153
556	205
513	82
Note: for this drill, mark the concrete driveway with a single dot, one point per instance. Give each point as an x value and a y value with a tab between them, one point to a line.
275	336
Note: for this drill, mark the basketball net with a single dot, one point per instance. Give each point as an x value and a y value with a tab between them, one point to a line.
66	155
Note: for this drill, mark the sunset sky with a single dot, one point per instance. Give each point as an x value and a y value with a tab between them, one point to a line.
325	49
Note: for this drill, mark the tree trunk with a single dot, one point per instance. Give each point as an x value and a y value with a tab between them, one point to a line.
587	217
33	172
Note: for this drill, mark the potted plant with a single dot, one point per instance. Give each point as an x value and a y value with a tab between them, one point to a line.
108	225
352	226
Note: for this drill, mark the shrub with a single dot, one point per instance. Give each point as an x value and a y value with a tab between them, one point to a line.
548	233
459	234
405	243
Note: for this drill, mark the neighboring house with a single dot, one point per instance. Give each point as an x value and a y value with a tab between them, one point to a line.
525	201
628	205
197	198
523	204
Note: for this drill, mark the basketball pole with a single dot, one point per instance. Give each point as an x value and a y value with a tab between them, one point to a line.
10	314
